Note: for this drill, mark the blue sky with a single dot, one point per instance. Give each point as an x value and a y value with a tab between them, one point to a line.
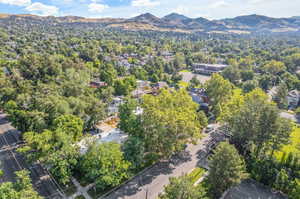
212	9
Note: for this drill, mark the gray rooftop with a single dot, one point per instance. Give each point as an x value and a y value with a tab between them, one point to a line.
250	189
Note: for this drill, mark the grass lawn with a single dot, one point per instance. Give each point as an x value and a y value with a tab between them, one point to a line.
184	71
292	147
183	84
196	174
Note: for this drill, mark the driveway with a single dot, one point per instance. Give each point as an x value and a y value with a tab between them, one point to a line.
290	116
150	184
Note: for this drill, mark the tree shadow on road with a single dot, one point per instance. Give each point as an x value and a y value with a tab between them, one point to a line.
161	168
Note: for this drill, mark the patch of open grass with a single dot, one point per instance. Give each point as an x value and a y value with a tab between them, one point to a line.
292	147
184	71
183	84
196	174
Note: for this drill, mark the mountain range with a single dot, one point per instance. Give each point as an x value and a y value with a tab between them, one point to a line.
175	22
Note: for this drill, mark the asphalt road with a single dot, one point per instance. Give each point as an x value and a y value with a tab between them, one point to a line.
150	184
9	136
12	161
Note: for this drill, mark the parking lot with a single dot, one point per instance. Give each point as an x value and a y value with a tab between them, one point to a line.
187	76
12	161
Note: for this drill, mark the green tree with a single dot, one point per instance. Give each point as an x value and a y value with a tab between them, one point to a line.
69	124
247	75
56	149
281	96
27	120
134	152
295	192
250	85
183	188
232	73
255	123
169	121
227	169
129	121
125	86
195	82
282	181
21	189
292	62
202	119
108	74
104	164
274	67
219	91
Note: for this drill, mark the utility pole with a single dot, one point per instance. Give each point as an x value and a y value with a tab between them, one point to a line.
147	193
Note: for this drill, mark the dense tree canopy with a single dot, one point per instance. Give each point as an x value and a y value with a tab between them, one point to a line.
105	165
56	148
255	122
169	121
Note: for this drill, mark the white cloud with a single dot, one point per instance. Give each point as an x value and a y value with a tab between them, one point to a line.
16	2
97	7
218	4
67	1
181	9
144	3
261	1
42	9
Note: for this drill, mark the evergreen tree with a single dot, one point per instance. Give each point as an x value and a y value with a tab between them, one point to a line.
280	97
227	169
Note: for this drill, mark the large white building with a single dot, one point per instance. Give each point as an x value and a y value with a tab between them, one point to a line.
208	69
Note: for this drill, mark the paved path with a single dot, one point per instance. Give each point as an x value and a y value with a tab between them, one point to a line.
81	190
151	183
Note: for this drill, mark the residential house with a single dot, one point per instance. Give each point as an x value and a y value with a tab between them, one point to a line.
199	96
97	84
293	99
113	107
143	87
250	189
160	85
105	131
272	92
124	63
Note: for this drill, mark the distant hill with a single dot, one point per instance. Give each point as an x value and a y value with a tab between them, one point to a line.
172	22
